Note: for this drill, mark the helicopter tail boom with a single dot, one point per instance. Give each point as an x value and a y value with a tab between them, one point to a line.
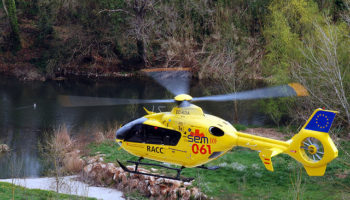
312	146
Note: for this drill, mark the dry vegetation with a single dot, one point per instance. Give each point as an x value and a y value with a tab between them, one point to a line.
63	153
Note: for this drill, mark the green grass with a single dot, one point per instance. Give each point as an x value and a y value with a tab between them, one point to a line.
240	127
243	176
9	191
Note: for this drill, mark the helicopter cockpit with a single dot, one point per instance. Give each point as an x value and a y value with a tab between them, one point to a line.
136	131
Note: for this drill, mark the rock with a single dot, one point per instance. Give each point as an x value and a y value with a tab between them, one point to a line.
143	170
187	184
154	170
176	183
159	181
120	187
182	191
186	195
154	190
173	194
133	183
115	178
103	166
91	160
111	169
142	188
164	189
4	148
152	180
150	186
124	178
134	176
195	193
87	169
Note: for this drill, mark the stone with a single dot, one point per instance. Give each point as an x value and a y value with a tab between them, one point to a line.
149	186
111	169
154	170
120	187
87	169
164	189
154	190
159	181
133	183
187	184
4	148
186	195
176	183
91	160
195	193
124	178
131	168
134	176
173	195
152	180
142	188
143	170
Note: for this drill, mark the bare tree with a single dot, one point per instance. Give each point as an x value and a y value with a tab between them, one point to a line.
323	73
139	23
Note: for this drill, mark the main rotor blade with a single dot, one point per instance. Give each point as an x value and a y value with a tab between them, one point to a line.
292	89
175	80
79	101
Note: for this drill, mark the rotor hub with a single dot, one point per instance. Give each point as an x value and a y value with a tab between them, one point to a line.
183	97
312	149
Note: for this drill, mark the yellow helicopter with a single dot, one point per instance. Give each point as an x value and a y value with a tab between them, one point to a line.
188	137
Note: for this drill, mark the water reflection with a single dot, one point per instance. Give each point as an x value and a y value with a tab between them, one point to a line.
22	126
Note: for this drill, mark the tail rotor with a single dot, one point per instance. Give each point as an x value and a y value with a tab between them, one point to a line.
312	149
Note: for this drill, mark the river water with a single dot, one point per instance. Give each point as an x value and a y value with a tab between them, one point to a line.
23	125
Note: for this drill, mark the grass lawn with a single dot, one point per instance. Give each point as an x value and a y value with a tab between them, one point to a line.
243	176
9	191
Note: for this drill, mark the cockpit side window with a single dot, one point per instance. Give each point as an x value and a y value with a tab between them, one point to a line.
136	134
153	135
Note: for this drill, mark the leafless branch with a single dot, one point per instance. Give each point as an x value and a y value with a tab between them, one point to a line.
4	5
322	73
116	10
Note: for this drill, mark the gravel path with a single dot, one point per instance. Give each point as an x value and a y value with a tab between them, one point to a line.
68	185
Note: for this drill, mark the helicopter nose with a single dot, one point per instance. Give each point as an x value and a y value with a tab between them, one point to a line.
124	130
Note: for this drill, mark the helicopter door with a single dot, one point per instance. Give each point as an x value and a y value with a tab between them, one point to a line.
157	135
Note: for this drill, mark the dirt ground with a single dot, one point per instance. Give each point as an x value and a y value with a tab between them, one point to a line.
267	132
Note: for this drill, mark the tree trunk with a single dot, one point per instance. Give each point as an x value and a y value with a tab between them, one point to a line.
141	50
14	35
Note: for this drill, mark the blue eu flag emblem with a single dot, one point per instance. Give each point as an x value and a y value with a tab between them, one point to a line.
321	121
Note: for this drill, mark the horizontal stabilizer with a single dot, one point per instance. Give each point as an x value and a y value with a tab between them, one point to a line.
267	154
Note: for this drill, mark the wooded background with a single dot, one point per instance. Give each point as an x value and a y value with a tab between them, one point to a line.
275	41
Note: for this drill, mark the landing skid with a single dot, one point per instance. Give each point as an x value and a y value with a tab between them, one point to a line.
137	163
